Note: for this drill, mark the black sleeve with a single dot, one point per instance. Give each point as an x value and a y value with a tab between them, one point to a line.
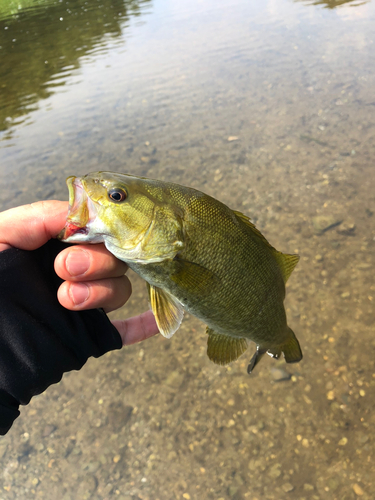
40	339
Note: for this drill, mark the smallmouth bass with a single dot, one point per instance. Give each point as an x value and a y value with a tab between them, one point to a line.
195	254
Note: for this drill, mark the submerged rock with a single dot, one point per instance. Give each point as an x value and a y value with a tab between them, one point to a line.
322	223
279	374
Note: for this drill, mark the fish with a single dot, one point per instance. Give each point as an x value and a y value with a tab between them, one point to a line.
196	255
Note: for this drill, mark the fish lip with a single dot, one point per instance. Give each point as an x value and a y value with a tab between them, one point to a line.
81	212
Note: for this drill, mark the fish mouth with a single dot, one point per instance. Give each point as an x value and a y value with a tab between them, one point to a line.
81	212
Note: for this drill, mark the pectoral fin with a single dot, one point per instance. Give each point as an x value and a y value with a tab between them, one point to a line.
192	277
222	349
167	310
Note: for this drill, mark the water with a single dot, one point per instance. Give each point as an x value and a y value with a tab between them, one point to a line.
157	88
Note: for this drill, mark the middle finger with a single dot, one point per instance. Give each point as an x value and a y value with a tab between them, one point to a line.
108	294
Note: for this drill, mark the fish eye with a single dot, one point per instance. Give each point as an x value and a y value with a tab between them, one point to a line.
117	195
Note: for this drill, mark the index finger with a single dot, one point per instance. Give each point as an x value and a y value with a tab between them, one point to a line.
30	226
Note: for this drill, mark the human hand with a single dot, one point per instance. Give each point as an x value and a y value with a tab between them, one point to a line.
94	278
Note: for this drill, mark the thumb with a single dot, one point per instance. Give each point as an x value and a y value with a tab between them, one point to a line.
30	226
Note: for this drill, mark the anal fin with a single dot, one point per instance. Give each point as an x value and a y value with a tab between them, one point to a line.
167	310
222	349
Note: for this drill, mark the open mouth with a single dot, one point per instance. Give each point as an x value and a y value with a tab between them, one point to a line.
80	212
71	229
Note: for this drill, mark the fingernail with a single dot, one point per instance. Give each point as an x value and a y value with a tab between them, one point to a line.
77	262
79	293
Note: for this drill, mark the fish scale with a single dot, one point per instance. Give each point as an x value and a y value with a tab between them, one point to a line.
196	254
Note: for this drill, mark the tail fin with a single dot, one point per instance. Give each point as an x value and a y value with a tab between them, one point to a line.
291	348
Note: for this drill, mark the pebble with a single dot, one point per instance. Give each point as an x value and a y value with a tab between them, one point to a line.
358	490
279	374
233	491
346	229
330	395
308	487
274	471
364	265
232	138
175	379
288	487
48	429
343	441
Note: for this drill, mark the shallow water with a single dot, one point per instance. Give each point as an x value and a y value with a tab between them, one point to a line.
268	106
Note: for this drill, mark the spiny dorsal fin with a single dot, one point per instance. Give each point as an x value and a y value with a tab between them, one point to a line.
167	310
256	231
222	349
286	262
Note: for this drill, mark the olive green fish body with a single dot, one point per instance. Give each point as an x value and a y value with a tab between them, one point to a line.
195	254
232	300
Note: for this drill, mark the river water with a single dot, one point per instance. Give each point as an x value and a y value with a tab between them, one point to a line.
268	106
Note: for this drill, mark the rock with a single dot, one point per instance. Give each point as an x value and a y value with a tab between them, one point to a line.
48	429
3	449
279	374
322	223
308	487
346	229
232	490
288	487
274	471
86	487
175	379
358	490
118	415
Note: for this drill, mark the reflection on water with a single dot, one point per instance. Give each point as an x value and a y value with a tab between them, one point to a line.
332	4
41	46
269	107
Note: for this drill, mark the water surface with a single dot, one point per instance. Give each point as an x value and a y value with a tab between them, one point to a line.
269	106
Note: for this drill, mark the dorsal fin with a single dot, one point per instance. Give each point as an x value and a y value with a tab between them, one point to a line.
286	262
247	221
